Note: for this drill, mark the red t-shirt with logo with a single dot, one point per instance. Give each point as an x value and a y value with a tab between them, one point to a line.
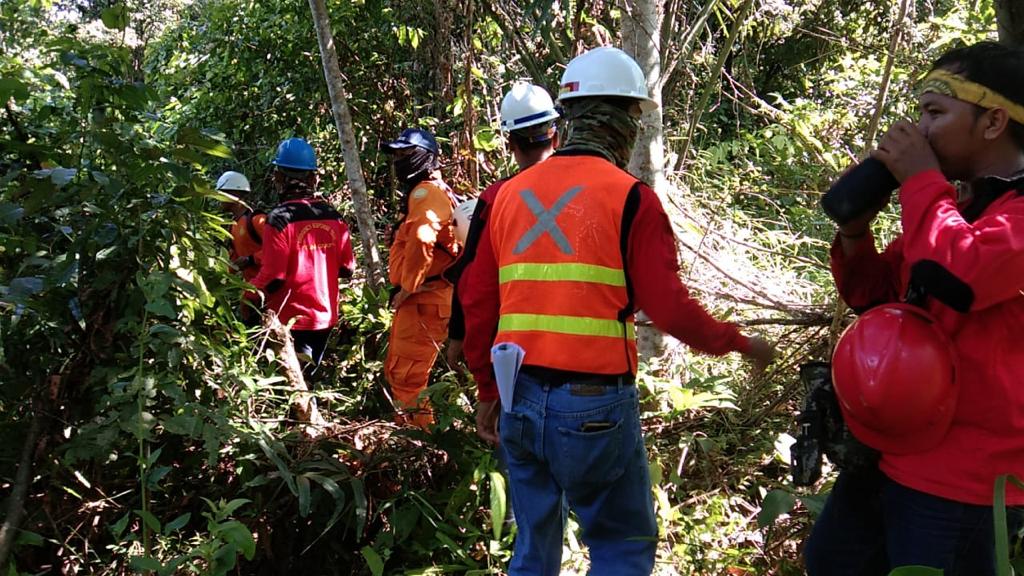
306	248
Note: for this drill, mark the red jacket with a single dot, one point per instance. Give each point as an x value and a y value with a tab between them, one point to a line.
306	248
457	323
653	268
979	268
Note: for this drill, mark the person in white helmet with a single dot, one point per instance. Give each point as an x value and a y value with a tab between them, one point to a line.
571	248
246	236
529	117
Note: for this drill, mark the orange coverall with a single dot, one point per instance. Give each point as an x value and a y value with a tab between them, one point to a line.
424	245
247	243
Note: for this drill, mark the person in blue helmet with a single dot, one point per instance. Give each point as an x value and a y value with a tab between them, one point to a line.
306	249
423	246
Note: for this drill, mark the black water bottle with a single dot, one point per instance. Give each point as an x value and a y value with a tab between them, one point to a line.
859	191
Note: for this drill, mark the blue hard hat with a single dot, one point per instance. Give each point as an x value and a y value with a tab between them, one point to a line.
296	154
414	137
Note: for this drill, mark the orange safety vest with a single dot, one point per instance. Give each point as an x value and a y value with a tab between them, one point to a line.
556	233
247	240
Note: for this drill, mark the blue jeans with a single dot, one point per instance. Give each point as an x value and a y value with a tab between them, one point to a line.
871	525
580	442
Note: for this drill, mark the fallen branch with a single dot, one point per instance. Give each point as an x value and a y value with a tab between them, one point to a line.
819	320
303	403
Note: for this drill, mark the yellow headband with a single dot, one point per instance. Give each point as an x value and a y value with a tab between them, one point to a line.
948	84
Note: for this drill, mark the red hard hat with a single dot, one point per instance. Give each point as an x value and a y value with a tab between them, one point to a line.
894	371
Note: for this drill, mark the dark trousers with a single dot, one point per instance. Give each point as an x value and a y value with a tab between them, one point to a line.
310	346
871	525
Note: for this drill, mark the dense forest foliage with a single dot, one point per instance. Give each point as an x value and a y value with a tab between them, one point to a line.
146	429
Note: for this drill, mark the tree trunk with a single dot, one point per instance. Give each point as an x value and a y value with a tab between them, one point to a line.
641	39
303	404
444	57
347	135
1010	16
469	110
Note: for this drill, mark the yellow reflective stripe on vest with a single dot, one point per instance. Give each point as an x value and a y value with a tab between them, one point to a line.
575	325
556	272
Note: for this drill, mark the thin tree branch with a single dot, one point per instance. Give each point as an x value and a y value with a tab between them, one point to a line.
22	480
715	78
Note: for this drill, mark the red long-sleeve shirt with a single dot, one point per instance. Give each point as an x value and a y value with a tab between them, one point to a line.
653	268
984	260
306	248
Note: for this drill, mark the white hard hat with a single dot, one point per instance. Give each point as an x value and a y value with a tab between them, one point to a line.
605	71
526	105
462	218
233	181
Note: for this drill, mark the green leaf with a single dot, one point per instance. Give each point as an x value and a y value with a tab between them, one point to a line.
156	475
144	564
302	483
499	504
149	519
916	571
404	520
359	494
115	17
177	523
281	466
137	95
236	533
776	503
28	538
373	561
204	143
230	507
181	424
814	503
999	523
25	287
13	88
118	527
224	559
161	307
60	177
335	491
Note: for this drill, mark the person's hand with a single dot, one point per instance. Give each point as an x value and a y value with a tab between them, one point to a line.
905	151
454	354
402	296
860	225
760	353
487	420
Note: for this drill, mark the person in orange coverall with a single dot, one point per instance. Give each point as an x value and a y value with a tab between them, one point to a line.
423	246
246	236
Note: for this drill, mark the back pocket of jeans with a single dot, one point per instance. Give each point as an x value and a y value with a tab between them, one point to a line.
512	430
591	457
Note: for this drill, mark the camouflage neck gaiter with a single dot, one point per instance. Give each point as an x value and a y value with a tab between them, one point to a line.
598	125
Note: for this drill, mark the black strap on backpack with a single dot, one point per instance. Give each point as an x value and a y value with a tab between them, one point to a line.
251	228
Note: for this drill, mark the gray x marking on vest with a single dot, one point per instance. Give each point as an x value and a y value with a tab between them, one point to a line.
546	220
